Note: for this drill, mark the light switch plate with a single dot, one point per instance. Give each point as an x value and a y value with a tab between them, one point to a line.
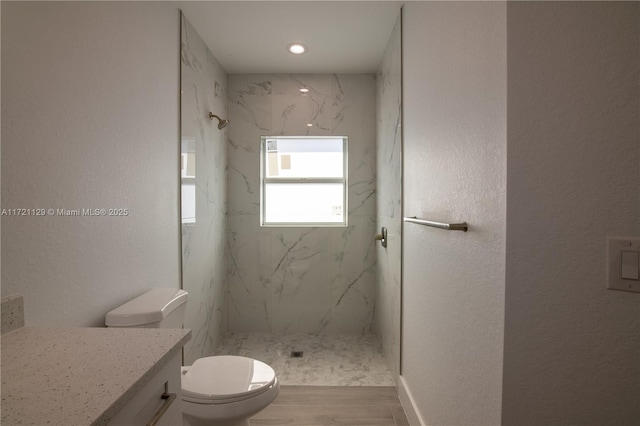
615	247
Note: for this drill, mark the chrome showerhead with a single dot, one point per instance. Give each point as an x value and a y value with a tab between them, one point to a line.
222	123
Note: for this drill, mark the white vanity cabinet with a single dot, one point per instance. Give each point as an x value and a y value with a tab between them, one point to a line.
158	402
91	376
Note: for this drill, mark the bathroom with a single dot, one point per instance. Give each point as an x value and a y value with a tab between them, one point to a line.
91	119
261	292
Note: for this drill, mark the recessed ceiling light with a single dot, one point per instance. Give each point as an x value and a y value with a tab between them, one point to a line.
297	48
304	90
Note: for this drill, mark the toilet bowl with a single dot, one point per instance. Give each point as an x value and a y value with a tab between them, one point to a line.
226	390
222	390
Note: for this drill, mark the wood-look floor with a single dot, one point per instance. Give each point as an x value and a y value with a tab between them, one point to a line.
334	405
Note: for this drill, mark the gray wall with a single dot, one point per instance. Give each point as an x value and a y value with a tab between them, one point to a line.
89	120
454	70
572	348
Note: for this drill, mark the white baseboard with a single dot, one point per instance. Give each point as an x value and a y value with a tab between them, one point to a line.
408	403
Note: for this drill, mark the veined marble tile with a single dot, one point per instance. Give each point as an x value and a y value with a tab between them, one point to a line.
353	248
249	300
244	154
244	186
295	290
203	89
292	113
328	360
249	84
354	289
353	84
362	197
389	199
253	111
290	84
387	321
355	113
301	286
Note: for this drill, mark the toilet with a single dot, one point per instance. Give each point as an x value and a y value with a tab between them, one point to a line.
222	390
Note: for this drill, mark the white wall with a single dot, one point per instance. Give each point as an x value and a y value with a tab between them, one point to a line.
454	70
572	348
89	120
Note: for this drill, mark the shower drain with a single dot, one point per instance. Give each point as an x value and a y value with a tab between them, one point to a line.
297	354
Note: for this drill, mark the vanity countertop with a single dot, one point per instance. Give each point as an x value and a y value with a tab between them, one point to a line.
79	376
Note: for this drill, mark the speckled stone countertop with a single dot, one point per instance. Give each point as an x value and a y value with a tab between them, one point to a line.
79	376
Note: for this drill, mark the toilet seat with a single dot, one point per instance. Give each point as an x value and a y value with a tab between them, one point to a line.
225	379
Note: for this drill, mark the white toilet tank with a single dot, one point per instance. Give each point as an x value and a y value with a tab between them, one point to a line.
157	308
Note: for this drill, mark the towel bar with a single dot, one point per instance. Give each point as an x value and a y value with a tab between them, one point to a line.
440	225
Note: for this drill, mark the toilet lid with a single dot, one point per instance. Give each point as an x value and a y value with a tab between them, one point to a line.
225	377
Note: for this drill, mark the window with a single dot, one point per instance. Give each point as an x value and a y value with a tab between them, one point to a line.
303	181
188	177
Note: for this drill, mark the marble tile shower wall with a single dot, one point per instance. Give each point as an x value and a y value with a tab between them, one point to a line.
204	89
310	280
389	199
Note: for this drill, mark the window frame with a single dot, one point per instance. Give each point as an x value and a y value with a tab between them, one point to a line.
264	180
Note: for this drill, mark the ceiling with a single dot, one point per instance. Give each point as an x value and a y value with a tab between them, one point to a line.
249	37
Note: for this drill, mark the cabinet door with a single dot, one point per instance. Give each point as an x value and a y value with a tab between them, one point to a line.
149	401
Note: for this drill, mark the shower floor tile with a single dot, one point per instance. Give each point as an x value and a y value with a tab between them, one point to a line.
334	360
